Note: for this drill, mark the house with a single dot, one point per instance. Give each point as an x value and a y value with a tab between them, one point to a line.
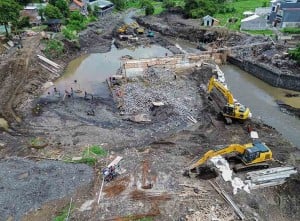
104	6
33	13
284	13
209	21
254	22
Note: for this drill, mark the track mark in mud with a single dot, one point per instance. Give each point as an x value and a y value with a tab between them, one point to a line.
116	187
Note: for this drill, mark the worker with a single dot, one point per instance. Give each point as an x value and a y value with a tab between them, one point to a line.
249	128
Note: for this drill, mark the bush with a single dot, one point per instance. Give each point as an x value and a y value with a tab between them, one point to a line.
169	3
295	53
54	48
23	22
149	10
69	34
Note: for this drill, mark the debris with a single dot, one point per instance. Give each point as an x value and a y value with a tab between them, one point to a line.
269	177
228	199
3	124
87	205
141	118
99	197
254	135
69	210
76	158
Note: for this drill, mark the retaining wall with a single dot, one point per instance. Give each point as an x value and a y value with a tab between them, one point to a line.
271	77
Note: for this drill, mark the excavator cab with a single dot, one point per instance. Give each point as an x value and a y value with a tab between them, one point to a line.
259	152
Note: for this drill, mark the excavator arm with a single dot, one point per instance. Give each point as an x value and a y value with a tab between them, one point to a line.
213	82
220	151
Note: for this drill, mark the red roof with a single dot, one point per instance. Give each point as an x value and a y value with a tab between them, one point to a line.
79	3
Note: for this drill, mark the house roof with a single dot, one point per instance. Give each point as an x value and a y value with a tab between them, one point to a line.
78	3
252	17
33	15
53	21
262	10
209	17
104	3
291	16
248	13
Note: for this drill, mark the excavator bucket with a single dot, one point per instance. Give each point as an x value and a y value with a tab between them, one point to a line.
203	172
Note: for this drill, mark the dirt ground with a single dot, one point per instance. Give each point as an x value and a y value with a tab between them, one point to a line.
155	154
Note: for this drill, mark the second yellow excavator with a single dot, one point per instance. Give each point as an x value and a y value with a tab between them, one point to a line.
252	156
230	110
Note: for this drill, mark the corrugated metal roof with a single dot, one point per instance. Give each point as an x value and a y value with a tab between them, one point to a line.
291	16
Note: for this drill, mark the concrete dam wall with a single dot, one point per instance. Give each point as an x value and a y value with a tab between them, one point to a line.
269	76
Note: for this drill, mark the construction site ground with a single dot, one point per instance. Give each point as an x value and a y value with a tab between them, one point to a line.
155	153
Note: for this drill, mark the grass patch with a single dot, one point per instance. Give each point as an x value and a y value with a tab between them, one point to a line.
291	30
96	150
240	6
54	48
90	155
63	214
260	32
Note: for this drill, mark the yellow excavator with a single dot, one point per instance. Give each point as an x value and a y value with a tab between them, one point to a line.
250	156
230	110
123	29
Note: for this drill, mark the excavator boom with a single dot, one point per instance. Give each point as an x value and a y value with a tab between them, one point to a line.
231	110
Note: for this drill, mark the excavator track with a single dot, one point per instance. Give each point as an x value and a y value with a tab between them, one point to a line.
241	168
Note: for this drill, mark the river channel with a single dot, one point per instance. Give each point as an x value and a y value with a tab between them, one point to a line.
89	72
260	98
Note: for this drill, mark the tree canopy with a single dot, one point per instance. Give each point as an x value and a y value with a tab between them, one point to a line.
9	12
200	8
52	11
63	6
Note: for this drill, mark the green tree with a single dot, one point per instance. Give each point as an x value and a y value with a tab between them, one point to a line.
23	2
96	10
200	8
149	10
52	12
119	4
169	3
89	9
9	12
63	7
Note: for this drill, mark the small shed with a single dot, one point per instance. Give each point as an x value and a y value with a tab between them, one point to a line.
253	22
209	21
54	24
104	6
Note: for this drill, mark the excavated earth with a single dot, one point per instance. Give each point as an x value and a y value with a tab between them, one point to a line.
155	153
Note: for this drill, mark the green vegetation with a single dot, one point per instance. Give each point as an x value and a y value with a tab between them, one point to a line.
54	48
90	155
52	11
63	214
237	9
96	150
9	12
149	9
260	32
76	23
291	30
295	53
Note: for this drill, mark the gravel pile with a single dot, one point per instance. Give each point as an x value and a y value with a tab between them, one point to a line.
161	85
26	185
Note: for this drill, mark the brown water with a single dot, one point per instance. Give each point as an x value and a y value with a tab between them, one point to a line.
91	71
260	98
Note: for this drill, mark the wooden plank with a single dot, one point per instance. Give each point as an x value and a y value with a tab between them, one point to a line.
115	161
